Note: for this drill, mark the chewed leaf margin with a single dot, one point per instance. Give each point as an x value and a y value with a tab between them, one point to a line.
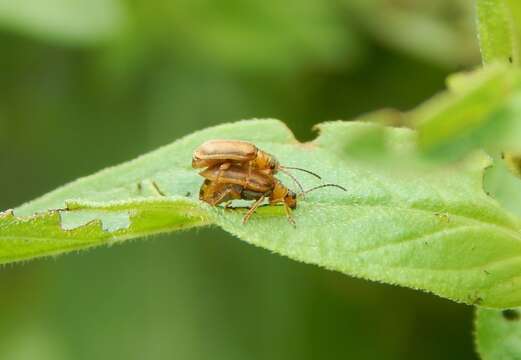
146	217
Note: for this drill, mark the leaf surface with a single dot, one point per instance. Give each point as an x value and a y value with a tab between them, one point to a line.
402	220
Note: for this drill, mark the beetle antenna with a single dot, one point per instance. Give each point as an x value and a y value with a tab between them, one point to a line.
294	180
300	169
323	186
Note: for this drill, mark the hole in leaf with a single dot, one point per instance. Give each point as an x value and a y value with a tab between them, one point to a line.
112	221
511	315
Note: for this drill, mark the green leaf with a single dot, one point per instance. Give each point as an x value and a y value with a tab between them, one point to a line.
504	186
407	25
499	30
256	35
473	113
481	110
515	17
85	225
498	334
71	22
496	37
401	221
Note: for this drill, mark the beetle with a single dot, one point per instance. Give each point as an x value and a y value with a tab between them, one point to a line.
236	182
227	152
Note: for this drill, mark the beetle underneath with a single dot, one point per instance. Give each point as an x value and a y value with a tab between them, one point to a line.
238	183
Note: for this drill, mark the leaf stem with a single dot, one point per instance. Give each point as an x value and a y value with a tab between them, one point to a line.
499	31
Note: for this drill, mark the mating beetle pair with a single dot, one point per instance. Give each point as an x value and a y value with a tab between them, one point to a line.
239	170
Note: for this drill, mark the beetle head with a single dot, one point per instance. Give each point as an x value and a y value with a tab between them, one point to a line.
291	199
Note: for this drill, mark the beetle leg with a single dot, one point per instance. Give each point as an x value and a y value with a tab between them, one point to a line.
254	207
289	216
214	193
223	196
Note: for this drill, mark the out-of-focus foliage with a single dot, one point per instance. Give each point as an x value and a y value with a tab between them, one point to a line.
466	117
442	29
499	30
76	22
66	111
252	35
484	113
479	111
498	334
497	40
256	35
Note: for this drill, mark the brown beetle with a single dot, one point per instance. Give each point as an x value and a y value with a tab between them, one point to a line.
236	182
227	152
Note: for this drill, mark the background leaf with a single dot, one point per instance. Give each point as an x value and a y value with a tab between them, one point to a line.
496	36
71	22
514	8
480	110
410	229
477	111
390	22
498	334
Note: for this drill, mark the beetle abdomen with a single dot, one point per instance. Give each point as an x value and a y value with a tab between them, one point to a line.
252	195
254	180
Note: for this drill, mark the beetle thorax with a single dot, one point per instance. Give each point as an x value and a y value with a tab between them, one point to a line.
279	191
266	161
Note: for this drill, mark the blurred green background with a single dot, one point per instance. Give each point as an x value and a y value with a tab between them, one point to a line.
86	84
